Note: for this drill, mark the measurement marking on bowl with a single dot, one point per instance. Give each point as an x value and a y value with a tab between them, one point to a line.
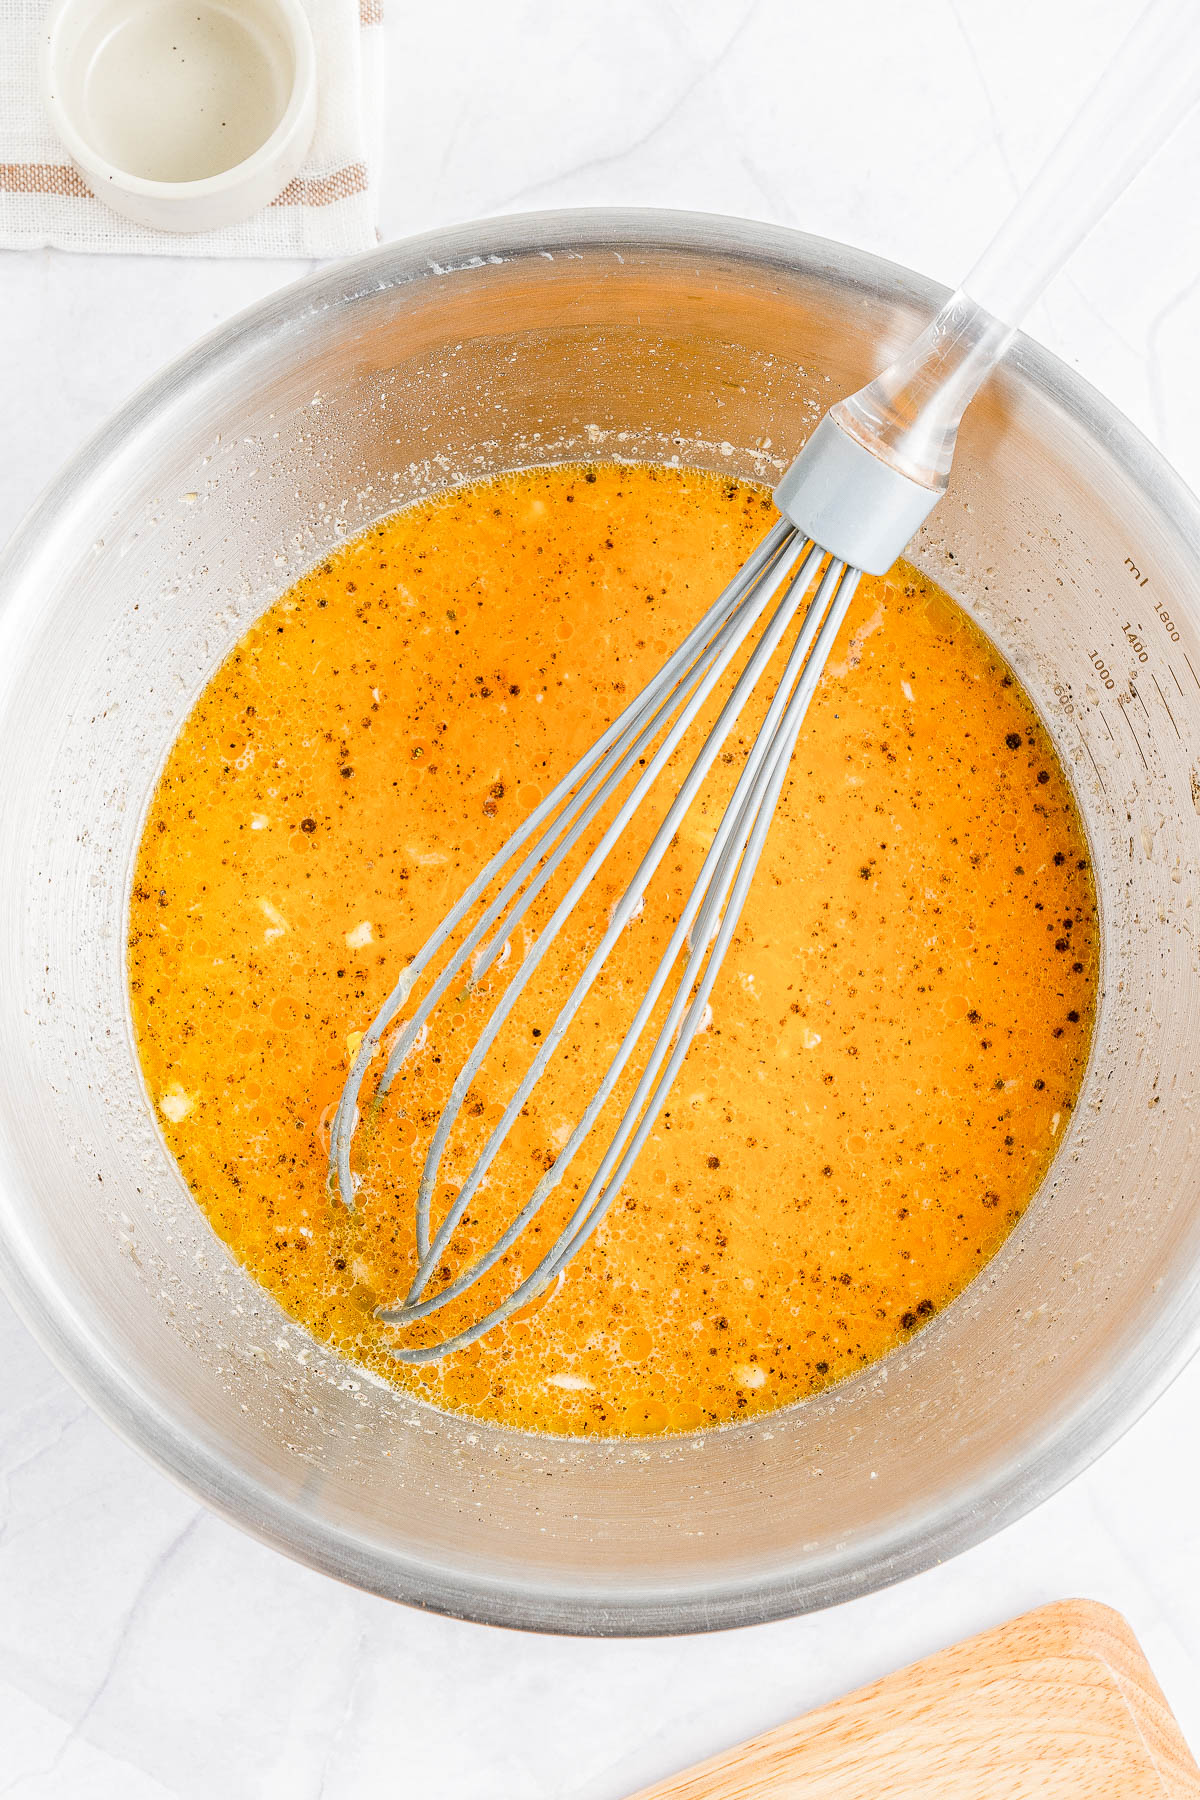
1137	642
1163	698
1166	621
1102	669
1122	703
1092	759
1103	665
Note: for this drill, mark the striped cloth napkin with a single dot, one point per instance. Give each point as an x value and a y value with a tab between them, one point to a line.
329	209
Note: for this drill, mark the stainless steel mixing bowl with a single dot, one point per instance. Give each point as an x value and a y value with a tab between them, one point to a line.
520	341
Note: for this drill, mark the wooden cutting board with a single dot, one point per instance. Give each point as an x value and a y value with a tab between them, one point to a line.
1058	1705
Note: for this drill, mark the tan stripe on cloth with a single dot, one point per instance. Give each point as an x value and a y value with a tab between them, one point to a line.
61	179
370	12
323	190
43	178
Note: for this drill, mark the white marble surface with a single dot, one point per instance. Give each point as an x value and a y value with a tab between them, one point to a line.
149	1650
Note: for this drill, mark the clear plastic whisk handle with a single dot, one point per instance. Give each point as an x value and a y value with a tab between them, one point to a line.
910	414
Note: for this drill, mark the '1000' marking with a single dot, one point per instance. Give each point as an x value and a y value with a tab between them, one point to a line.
1102	669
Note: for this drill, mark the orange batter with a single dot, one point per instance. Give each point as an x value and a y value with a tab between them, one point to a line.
897	1036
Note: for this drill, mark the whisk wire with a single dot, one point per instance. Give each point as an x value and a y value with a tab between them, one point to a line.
624	909
739	815
737	862
729	863
660	701
570	794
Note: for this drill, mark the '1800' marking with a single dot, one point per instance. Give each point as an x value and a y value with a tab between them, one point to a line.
1168	623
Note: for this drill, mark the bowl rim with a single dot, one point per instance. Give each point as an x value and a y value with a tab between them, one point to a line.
1071	1442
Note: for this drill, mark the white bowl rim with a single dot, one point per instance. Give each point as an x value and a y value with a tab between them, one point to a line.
240	174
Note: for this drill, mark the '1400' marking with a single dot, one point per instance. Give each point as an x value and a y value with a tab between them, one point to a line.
1139	647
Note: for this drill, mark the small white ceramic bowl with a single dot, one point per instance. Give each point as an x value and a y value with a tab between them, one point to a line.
182	114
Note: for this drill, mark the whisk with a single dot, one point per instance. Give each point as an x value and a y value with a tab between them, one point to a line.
873	469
